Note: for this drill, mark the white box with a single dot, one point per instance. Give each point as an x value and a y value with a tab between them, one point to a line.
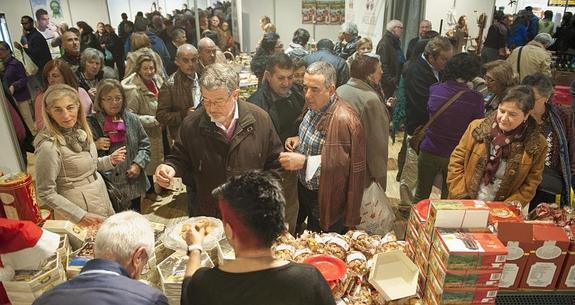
76	234
394	275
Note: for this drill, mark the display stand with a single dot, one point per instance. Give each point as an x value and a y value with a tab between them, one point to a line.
535	298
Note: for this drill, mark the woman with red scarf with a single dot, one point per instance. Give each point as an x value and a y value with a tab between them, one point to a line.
112	127
501	157
142	88
252	209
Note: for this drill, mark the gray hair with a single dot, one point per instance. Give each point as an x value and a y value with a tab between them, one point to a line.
544	38
325	69
437	45
349	28
220	75
393	23
541	82
186	47
121	235
91	54
178	32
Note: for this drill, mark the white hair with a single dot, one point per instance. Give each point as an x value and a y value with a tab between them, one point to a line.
393	23
349	28
186	47
219	75
121	235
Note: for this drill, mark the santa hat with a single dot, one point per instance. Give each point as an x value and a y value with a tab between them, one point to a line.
24	246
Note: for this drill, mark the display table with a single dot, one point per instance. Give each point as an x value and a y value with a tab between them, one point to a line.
535	298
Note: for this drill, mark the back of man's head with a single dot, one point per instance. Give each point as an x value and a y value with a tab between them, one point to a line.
325	44
121	235
545	39
141	25
300	36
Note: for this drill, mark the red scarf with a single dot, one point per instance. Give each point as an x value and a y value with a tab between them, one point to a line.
500	148
152	87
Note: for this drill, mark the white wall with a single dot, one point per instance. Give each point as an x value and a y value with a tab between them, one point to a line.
538	5
286	17
436	10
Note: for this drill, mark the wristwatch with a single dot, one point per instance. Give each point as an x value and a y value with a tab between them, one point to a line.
192	248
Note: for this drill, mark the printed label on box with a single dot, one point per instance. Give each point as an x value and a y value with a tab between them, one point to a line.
548	251
509	274
570	280
514	251
541	274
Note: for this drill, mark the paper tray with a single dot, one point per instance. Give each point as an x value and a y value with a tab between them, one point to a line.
394	275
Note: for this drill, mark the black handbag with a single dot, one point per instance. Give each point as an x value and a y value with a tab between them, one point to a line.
552	182
118	198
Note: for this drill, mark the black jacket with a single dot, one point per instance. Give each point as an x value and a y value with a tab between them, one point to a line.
337	62
411	48
284	111
418	78
345	51
389	51
38	49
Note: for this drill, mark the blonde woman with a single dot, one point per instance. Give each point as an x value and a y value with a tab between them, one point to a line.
67	180
142	88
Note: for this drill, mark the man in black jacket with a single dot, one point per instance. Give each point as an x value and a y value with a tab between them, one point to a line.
391	56
284	102
424	27
420	75
325	53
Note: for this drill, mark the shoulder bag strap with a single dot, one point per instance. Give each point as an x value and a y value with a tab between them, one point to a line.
519	61
442	109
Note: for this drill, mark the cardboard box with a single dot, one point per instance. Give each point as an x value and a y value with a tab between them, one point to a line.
394	275
518	239
76	234
457	214
456	296
462	278
546	257
502	212
469	251
64	250
567	277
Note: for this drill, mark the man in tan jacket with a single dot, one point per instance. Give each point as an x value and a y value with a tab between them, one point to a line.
532	57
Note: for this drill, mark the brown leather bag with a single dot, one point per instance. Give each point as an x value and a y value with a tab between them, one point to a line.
419	132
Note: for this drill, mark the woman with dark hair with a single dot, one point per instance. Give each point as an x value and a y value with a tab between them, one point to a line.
269	44
142	88
363	92
252	209
87	37
14	78
113	127
444	134
556	125
546	25
56	72
501	157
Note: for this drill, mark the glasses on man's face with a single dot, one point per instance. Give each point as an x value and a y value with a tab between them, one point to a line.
215	103
111	99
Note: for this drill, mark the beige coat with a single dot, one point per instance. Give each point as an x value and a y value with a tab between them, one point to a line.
68	182
142	102
524	166
534	58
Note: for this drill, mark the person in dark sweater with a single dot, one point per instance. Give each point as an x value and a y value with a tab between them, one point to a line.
444	134
495	45
36	46
420	75
284	102
252	207
325	53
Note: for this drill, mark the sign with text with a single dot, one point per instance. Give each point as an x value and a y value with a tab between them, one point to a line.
368	15
561	3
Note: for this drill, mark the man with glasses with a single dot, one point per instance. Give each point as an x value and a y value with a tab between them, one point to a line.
124	244
223	138
391	56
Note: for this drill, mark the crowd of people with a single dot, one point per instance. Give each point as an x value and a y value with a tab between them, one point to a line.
132	111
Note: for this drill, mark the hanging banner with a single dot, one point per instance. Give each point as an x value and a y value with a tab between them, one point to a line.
561	3
323	11
368	15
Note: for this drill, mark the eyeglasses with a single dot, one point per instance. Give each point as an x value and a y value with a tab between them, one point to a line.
111	99
216	103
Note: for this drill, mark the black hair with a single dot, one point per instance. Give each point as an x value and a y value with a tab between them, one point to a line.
40	12
124	16
298	63
268	43
257	198
86	28
30	19
522	95
212	35
300	36
6	46
280	60
465	66
325	44
548	15
539	81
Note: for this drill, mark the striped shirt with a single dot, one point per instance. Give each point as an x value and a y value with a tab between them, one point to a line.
311	142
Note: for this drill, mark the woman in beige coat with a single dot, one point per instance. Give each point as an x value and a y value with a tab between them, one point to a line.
142	88
66	176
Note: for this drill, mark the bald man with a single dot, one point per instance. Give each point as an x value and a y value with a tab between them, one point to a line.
180	94
209	54
424	27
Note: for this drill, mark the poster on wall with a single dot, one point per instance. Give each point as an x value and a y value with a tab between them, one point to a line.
53	7
308	11
368	15
561	3
323	11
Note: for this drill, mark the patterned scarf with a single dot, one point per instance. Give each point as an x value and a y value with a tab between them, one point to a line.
500	148
76	138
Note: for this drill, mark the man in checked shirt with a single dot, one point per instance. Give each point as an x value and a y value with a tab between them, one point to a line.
332	137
